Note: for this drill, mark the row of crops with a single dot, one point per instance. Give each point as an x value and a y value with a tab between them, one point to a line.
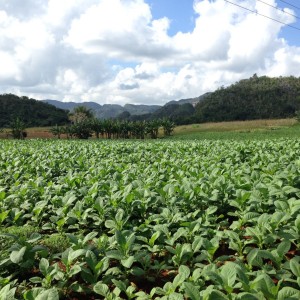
150	220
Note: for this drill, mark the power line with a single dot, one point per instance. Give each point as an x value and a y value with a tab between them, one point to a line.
297	7
255	12
278	9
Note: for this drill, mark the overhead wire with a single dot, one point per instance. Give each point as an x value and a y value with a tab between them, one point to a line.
278	9
292	5
257	13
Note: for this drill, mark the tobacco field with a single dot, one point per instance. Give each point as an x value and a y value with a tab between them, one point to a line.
150	220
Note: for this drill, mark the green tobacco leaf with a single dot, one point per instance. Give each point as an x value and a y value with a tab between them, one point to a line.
127	263
136	271
44	265
229	274
120	239
265	284
3	215
175	296
2	195
35	279
75	254
34	237
283	247
101	289
7	293
75	269
119	215
33	294
115	254
247	296
110	224
183	274
217	295
288	293
51	294
191	291
253	258
17	256
89	236
120	284
197	244
295	267
153	238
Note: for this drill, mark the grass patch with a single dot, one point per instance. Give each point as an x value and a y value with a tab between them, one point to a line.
57	242
240	130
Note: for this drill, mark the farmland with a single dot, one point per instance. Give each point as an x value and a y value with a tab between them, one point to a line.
150	220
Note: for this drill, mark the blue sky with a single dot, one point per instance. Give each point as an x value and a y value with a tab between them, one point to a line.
182	16
141	51
290	34
180	12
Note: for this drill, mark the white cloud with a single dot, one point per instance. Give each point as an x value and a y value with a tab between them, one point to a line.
115	51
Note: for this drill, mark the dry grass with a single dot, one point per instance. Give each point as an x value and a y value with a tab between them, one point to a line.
32	133
235	126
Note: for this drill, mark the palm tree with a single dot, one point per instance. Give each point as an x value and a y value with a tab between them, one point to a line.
98	127
57	131
152	128
168	126
80	114
18	129
82	120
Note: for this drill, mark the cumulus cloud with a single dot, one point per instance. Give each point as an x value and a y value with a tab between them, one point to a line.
115	51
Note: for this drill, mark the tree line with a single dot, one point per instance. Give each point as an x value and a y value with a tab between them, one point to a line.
84	125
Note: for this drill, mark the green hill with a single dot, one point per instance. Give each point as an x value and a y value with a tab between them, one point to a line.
253	98
32	112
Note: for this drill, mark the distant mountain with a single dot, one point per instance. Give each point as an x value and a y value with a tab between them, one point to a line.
71	105
106	111
140	109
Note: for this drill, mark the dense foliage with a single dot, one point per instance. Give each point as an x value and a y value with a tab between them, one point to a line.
254	98
85	127
31	112
150	220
